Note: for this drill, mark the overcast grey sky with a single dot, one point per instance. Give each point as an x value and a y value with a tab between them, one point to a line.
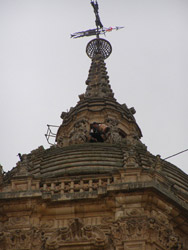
42	70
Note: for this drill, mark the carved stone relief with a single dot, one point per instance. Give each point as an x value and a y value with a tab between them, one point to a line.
111	234
21	239
18	239
113	136
76	231
145	228
15	222
46	223
130	158
79	134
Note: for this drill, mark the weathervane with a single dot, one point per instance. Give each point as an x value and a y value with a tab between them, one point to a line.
98	45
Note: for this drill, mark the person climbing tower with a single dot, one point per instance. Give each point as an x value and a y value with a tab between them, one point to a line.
98	132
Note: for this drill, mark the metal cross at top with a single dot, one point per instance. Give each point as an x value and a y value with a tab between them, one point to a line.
98	45
97	21
99	30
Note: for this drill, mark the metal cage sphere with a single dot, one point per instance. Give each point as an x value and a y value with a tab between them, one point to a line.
98	46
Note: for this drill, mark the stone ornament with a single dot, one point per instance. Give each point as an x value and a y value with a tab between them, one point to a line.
153	227
79	134
98	80
114	134
76	232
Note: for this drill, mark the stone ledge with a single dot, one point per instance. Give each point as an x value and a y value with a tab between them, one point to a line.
126	187
19	194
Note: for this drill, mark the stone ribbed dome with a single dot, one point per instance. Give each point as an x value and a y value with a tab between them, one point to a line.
79	160
122	158
103	160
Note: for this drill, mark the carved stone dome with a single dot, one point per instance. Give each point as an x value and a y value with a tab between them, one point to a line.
122	151
87	167
85	194
97	105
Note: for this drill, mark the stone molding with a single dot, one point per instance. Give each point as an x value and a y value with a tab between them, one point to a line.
130	178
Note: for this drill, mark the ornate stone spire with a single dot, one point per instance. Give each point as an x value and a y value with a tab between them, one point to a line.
98	105
98	79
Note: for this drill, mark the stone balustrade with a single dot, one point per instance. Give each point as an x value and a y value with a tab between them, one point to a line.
76	186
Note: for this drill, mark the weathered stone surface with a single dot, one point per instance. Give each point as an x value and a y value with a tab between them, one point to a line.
98	83
104	222
76	123
94	196
91	206
97	105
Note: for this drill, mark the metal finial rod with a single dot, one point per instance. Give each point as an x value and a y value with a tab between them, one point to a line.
96	11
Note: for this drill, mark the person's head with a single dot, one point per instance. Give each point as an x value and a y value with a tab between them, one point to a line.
95	125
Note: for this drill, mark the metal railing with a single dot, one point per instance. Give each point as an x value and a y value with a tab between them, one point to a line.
51	134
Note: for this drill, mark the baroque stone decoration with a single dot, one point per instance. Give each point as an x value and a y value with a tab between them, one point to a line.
77	232
98	80
132	225
97	104
79	133
78	195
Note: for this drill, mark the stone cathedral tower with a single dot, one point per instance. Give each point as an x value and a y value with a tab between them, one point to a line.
82	194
